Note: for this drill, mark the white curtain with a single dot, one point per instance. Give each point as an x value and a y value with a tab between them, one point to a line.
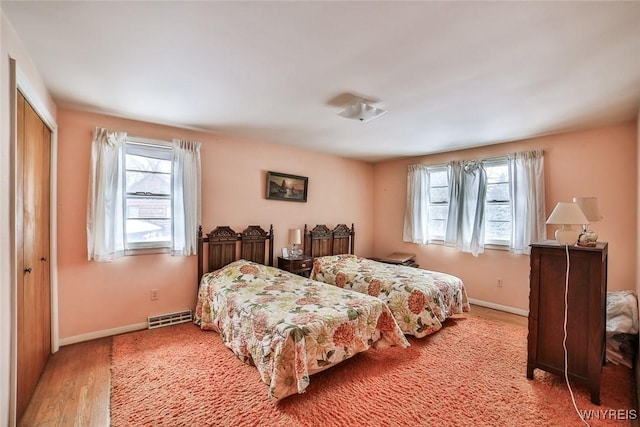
186	197
105	209
416	214
526	177
467	194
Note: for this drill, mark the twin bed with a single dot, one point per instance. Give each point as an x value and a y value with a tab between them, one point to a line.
419	299
288	326
291	327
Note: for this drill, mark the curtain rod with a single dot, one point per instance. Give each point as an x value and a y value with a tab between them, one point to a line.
486	159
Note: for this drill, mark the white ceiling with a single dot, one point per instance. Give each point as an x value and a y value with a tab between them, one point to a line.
451	74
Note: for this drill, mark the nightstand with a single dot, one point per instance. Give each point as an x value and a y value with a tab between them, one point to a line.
300	265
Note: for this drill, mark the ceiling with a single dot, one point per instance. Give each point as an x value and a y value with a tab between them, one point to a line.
451	74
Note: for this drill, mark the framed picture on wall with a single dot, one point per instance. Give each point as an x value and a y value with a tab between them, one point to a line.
282	186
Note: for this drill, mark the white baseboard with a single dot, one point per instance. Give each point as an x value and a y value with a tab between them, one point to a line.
500	307
104	333
139	326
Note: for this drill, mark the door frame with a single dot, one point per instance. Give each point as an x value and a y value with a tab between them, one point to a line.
20	81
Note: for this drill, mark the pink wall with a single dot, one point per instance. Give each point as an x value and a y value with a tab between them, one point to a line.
95	297
600	162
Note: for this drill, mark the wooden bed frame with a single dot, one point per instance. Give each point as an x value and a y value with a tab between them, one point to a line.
322	241
255	245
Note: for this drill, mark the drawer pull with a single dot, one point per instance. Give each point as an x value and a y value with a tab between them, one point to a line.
303	265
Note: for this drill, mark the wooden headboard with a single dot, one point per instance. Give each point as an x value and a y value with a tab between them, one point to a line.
322	241
255	245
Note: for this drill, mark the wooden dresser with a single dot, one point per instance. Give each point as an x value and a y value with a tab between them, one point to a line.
586	319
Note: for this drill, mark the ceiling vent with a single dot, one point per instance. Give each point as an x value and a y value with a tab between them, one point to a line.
362	110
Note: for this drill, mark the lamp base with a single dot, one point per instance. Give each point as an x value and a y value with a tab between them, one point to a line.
567	236
295	251
587	238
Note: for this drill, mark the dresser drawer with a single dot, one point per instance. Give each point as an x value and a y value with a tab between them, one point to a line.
300	265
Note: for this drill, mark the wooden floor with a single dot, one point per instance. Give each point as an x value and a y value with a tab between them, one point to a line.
74	388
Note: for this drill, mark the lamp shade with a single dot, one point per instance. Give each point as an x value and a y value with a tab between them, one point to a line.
295	236
589	206
567	213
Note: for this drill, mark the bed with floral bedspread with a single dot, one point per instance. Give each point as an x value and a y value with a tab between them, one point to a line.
288	326
419	299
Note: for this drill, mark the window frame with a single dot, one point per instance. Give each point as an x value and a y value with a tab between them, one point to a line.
433	237
498	243
152	247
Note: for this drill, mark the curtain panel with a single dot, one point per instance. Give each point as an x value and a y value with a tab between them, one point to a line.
416	214
186	197
526	178
467	194
105	201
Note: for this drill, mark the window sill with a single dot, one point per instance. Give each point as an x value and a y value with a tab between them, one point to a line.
497	247
491	246
146	251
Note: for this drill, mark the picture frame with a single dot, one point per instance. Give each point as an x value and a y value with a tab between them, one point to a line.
285	253
284	186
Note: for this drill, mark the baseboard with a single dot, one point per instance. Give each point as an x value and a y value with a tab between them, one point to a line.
104	333
139	326
513	310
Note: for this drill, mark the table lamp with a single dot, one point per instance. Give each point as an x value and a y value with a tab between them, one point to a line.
567	214
589	206
295	238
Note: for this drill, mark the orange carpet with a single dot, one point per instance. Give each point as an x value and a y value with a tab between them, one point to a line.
471	373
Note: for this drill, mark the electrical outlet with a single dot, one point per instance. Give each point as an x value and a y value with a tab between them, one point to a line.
499	284
154	294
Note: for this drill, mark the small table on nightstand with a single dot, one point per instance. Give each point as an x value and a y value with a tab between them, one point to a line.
299	265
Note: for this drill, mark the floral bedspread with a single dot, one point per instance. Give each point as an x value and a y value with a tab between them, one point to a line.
419	299
288	326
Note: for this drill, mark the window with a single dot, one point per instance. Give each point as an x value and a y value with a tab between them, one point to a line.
497	214
143	194
438	202
498	201
497	217
148	195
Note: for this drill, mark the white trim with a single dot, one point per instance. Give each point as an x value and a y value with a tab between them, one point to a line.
104	333
13	262
31	95
512	310
53	245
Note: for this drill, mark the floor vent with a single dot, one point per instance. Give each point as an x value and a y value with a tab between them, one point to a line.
170	319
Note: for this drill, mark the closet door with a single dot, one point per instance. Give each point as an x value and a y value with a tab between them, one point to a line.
33	223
